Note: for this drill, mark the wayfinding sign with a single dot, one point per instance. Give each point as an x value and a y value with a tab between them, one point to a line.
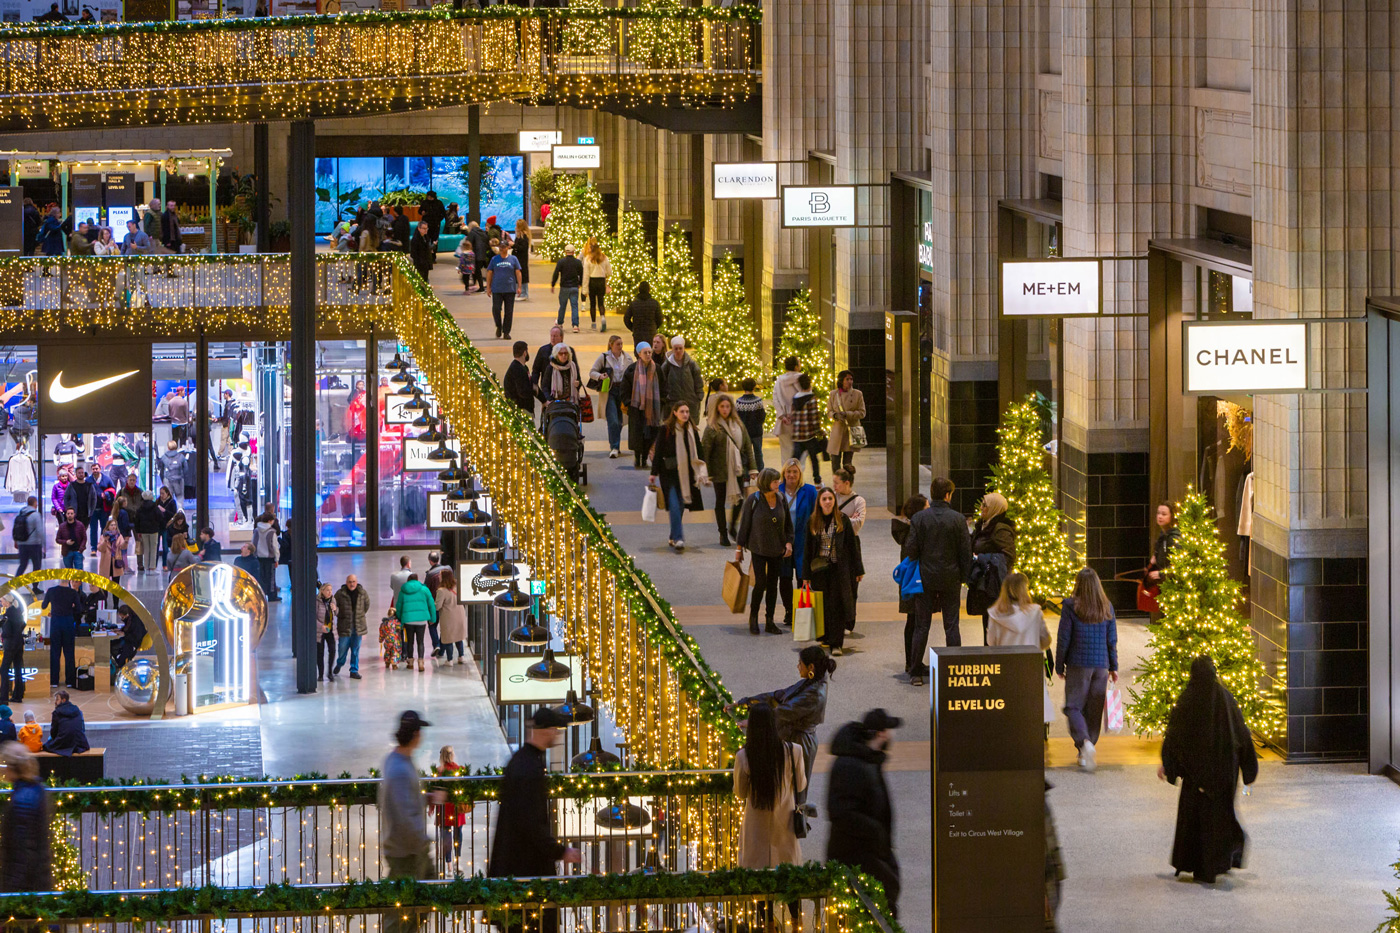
988	790
1051	288
1225	357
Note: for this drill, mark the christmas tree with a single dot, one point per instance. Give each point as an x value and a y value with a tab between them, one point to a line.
1042	544
724	340
631	260
575	214
1200	615
802	338
676	286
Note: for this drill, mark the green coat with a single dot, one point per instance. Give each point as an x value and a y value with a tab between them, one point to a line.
415	605
712	450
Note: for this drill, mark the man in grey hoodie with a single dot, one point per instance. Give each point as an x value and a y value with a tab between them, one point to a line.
681	379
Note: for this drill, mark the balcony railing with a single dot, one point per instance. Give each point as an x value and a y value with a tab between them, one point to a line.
304	67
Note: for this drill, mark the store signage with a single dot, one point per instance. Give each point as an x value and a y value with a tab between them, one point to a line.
828	206
96	386
394	411
586	140
1244	356
988	790
189	167
925	246
745	180
118	216
1051	288
539	140
472	588
11	220
577	157
34	169
415	455
442	511
515	687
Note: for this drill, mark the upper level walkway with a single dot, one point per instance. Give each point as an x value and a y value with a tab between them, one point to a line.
308	67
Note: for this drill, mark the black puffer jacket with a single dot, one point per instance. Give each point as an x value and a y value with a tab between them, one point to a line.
858	803
939	541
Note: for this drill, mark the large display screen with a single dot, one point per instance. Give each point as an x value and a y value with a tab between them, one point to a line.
344	185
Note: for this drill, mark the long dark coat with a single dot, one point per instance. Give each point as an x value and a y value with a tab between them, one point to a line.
837	582
26	855
525	845
640	437
664	469
858	805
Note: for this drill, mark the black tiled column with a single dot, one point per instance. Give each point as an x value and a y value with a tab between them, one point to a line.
973	418
866	348
1105	496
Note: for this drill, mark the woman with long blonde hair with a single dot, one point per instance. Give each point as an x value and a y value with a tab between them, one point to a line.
1017	620
596	270
1086	658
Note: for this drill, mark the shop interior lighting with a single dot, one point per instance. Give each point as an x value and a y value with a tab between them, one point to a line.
442	453
473	518
625	815
402	377
486	547
416	403
548	669
500	569
397	364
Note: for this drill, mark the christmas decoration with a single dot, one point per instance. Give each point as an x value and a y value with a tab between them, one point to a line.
802	338
1043	553
632	260
676	286
1200	615
575	215
724	340
587	35
68	873
664	40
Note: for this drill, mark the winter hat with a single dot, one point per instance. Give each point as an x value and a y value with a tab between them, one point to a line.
643	346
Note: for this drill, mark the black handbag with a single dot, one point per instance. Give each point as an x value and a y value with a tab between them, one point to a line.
802	813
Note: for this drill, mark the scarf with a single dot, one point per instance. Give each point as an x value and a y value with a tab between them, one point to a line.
646	393
826	538
685	458
561	379
732	428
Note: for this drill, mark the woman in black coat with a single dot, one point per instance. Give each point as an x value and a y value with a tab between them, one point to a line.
642	389
994	533
831	562
420	250
1207	746
676	468
858	802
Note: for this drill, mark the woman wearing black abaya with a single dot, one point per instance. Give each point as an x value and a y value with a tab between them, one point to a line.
1207	746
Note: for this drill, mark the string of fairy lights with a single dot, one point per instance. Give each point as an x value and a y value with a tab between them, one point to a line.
302	67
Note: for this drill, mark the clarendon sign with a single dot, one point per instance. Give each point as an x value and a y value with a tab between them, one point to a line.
1222	357
745	180
1051	288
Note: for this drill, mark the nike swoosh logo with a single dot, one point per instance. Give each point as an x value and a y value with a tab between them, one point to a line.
61	393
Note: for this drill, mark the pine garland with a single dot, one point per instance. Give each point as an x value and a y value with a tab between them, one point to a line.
1043	553
1200	615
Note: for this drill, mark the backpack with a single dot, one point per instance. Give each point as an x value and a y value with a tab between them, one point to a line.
21	522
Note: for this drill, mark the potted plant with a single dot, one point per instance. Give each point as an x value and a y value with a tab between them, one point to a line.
279	236
408	199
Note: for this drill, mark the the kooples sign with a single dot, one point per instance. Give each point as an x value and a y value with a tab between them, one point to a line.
1050	288
745	180
1244	356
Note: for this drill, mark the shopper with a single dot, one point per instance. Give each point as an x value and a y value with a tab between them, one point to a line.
180	554
170	229
850	502
766	531
562	381
31	734
1016	620
858	802
1086	658
643	315
148	524
939	541
846	407
994	543
784	390
640	391
1208	748
752	412
833	567
26	829
8	733
596	270
1168	537
539	369
480	245
524	845
399	577
728	455
452	617
12	626
71	538
421	250
806	424
801	499
169	509
351	623
267	551
28	533
568	276
769	777
247	561
415	609
209	547
432	213
800	707
81	496
67	731
132	639
520	249
111	550
505	279
606	376
450	817
517	378
713	391
78	242
325	632
677	470
105	245
403	827
681	380
51	234
150	220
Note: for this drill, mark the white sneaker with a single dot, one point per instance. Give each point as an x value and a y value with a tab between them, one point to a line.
1088	757
612	454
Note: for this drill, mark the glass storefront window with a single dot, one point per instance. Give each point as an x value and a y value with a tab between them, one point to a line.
246	409
403	497
342	455
19	472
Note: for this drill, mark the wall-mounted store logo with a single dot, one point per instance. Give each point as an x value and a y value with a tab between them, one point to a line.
827	206
1222	358
394	411
62	394
566	158
474	588
745	180
539	140
1051	288
415	455
925	247
87	386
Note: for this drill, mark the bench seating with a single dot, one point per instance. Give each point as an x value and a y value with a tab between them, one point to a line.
90	765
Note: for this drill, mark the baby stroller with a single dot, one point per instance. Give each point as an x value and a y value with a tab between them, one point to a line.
564	434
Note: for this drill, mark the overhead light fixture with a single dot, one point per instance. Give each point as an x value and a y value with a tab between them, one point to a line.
473	518
397	364
460	493
425	420
486	547
406	382
500	569
512	599
453	474
417	403
441	454
548	669
595	755
625	815
579	712
402	377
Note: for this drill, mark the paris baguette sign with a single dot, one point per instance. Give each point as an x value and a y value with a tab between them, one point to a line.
1224	357
1051	288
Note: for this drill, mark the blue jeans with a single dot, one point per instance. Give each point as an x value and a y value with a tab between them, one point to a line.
614	415
351	644
568	296
73	560
675	508
30	556
757	451
95	525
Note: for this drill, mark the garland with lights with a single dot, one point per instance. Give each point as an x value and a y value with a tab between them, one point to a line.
588	35
1043	553
1200	615
65	867
661	38
725	344
843	888
675	285
632	260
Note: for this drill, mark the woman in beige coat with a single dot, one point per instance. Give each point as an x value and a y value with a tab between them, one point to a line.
768	775
846	408
452	617
111	550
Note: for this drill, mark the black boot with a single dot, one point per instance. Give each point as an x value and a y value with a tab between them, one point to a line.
772	629
723	534
753	624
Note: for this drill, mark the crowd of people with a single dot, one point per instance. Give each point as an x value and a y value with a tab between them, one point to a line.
49	233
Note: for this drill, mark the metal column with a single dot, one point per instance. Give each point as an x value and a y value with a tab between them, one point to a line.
263	204
301	208
474	164
201	470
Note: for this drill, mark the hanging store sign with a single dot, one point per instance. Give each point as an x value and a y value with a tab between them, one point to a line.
394	411
415	455
96	386
35	169
735	180
442	511
473	588
539	140
192	167
514	686
826	206
1224	357
566	158
1051	288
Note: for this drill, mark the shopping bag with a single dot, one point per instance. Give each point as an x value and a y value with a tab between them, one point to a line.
736	586
585	408
804	623
1113	708
649	505
1147	597
818	614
